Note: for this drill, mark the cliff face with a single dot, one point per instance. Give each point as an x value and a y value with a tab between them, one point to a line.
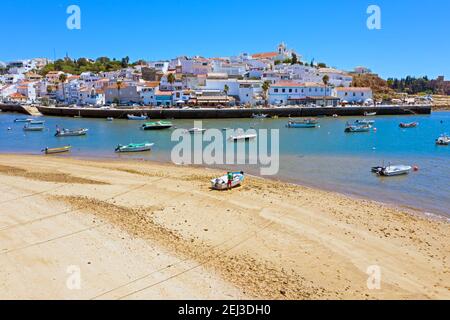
379	86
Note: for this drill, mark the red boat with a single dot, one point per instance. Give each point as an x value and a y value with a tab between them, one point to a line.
409	125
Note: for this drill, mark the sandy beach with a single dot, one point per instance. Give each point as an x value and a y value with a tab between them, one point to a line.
143	230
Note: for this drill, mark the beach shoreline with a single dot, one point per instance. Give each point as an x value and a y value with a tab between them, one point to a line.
151	230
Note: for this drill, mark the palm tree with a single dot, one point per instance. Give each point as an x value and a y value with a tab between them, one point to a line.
266	87
226	89
119	85
325	80
171	78
62	79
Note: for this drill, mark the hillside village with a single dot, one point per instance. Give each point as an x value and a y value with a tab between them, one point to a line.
270	78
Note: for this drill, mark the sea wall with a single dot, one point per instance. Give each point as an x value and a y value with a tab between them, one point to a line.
232	113
14	108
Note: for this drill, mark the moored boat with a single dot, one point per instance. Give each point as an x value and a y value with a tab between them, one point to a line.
352	128
110	119
70	133
392	170
196	130
134	117
370	114
364	122
222	182
243	137
33	128
157	125
409	125
259	116
57	150
135	147
443	140
23	120
306	123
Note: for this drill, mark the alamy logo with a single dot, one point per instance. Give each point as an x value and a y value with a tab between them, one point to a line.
74	20
374	19
228	147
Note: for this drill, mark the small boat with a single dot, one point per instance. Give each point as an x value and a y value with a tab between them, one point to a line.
222	182
110	119
70	133
196	130
133	117
391	171
33	128
259	116
243	137
306	123
352	128
409	125
443	140
135	147
34	122
158	125
57	150
335	116
23	120
364	122
370	114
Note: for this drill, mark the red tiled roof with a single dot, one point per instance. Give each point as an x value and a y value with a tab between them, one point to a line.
264	55
352	89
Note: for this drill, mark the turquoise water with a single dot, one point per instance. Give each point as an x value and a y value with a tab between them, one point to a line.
325	157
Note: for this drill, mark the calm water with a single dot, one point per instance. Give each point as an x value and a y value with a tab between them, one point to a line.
325	157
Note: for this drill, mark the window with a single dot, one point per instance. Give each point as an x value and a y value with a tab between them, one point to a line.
290	90
354	94
346	94
275	90
362	94
283	90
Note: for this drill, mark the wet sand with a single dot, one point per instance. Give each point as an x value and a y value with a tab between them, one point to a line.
142	230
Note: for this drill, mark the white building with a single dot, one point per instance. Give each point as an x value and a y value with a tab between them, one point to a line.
247	91
336	77
91	96
353	94
294	93
148	93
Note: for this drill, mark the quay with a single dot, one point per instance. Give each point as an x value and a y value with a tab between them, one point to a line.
216	113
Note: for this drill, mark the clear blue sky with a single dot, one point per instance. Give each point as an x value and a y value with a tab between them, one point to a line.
414	39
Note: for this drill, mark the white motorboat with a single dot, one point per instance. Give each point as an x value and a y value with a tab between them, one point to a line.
222	182
392	170
370	114
70	133
443	140
243	137
196	130
142	117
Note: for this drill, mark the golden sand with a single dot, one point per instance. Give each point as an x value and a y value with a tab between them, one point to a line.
140	230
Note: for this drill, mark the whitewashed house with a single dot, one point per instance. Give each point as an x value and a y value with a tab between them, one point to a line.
295	93
148	93
353	94
336	77
91	96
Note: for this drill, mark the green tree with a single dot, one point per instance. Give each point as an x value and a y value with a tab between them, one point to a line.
171	78
326	79
294	59
226	89
119	85
265	88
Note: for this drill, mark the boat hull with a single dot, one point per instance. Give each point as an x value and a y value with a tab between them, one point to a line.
221	183
57	150
130	149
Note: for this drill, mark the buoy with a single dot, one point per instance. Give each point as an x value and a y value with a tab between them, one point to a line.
375	129
416	168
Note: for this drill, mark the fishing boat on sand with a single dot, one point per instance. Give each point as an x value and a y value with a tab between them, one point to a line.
305	123
57	150
134	147
443	140
158	125
134	117
409	125
392	170
222	182
352	128
70	133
